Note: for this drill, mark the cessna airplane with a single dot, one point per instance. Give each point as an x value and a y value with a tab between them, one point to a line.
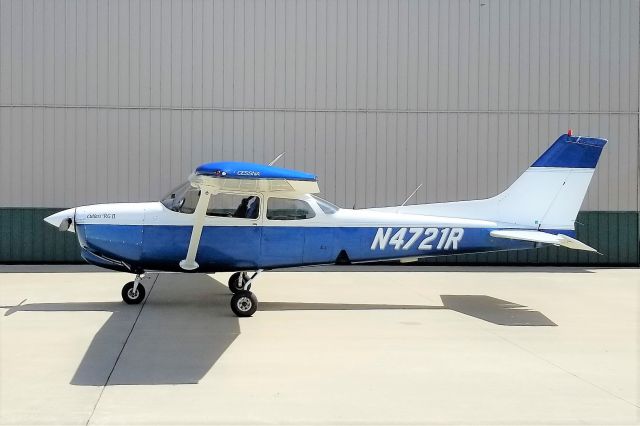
234	216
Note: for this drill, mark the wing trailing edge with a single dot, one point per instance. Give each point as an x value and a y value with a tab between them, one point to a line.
542	237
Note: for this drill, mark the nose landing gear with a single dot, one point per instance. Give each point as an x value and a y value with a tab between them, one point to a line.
243	302
133	292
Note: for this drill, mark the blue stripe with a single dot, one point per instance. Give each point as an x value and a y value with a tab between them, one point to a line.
572	152
161	247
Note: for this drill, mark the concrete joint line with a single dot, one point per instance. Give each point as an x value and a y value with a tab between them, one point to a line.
115	364
582	379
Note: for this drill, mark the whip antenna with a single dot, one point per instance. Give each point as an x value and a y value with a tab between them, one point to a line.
276	159
412	194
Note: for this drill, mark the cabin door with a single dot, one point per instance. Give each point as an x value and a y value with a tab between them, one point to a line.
283	232
231	235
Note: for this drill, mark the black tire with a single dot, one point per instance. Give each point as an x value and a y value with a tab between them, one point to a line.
244	303
129	297
236	286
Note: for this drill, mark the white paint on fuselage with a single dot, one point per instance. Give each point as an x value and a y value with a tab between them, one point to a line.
539	198
155	213
542	197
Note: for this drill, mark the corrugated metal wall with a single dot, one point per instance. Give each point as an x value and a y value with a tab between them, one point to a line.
118	100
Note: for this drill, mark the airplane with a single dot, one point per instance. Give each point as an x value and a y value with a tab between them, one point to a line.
247	218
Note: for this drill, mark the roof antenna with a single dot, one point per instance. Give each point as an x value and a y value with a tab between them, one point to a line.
276	159
412	194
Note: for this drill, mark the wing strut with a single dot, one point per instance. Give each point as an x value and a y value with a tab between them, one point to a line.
189	263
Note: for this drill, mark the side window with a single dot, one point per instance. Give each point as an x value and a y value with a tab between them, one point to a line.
234	205
287	209
325	206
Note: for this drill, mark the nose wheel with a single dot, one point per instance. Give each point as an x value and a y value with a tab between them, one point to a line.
133	292
243	302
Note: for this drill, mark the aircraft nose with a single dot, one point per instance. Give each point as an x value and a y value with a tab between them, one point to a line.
58	219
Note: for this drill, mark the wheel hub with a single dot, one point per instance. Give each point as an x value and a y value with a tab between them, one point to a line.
244	304
132	294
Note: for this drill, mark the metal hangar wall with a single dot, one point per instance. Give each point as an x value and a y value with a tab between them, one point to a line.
118	100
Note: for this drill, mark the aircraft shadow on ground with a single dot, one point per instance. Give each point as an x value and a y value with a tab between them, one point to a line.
186	325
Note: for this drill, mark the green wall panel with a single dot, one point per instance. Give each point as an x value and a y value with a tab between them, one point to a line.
613	234
26	238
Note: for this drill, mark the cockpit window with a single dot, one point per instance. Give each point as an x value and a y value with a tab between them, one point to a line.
234	205
288	209
327	207
182	199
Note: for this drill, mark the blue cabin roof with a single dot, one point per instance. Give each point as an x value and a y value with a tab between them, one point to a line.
241	170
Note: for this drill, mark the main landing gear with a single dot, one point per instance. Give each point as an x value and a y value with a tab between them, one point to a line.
133	292
243	302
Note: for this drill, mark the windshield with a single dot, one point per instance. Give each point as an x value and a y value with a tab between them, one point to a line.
327	207
182	199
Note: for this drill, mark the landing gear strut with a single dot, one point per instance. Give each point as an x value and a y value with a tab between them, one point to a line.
237	280
133	292
243	303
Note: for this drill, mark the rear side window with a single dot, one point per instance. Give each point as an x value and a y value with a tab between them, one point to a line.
288	209
327	207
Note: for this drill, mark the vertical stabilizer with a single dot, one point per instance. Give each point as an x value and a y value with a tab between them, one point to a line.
548	195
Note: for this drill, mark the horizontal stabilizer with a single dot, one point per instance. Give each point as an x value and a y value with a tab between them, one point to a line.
542	237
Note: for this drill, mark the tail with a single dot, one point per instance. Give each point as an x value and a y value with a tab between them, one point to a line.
548	195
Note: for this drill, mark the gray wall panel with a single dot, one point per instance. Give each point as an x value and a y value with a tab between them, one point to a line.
118	100
67	156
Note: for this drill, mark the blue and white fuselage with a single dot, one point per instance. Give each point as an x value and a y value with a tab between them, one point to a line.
148	236
234	216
